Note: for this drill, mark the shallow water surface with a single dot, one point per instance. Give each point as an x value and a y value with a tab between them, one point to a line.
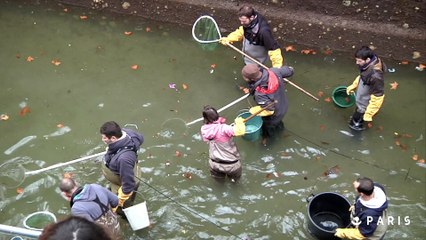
63	76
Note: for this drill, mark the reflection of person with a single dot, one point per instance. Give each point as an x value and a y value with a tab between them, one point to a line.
75	228
92	202
369	212
369	87
257	38
224	156
120	161
267	86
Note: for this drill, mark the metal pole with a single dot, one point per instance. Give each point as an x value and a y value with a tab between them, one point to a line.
19	231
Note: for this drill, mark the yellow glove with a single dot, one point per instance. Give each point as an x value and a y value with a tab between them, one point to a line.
373	107
239	127
348	233
276	58
264	113
122	197
235	36
351	88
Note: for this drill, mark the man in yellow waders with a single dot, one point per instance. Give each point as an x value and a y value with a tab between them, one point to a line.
120	162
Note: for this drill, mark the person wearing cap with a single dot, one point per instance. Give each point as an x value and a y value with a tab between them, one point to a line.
92	202
369	86
267	86
224	157
257	38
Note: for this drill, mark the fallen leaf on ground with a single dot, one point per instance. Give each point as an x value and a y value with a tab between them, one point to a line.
394	85
327	52
290	48
134	67
30	59
24	111
128	33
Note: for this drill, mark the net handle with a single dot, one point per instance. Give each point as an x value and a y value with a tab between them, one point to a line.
215	24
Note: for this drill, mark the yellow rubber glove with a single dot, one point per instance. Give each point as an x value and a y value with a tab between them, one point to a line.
276	58
264	113
348	233
351	88
239	127
122	197
235	36
373	107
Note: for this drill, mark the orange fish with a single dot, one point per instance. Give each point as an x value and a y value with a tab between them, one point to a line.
24	111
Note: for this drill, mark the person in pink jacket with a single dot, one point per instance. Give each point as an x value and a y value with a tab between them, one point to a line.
224	157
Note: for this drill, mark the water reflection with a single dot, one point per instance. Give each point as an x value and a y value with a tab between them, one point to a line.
95	82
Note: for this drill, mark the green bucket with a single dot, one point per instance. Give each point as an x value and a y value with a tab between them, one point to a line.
253	127
341	99
38	220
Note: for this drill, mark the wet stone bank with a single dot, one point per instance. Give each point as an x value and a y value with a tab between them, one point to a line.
394	28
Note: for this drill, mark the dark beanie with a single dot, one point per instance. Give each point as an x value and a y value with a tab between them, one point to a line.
251	72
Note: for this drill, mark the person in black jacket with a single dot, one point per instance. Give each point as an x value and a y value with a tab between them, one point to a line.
257	38
120	162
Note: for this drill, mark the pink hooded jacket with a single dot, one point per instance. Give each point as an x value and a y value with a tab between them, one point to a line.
218	131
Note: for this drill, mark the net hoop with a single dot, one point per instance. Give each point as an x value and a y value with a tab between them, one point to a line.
215	24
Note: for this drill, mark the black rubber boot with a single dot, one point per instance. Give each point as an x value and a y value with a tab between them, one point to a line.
356	125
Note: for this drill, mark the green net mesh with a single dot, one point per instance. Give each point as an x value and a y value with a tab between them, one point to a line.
206	32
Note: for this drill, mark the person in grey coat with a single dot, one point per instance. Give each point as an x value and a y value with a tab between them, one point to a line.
92	202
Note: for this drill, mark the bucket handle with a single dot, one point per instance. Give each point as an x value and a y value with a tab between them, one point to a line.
309	198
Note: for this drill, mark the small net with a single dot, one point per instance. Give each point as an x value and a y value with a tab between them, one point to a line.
206	32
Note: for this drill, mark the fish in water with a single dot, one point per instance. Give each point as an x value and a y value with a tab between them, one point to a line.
22	142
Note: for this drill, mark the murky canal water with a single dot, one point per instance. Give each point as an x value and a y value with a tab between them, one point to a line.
81	76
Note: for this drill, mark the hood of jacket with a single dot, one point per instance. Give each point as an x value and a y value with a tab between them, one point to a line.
130	139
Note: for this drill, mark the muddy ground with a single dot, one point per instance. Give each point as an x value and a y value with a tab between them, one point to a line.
395	28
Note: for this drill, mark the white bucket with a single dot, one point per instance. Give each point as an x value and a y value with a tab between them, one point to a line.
137	216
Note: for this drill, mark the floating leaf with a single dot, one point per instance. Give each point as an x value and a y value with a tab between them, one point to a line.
322	127
421	161
394	85
308	51
184	86
415	157
213	65
187	175
83	17
60	125
68	175
327	52
30	59
134	67
19	190
24	111
178	154
4	117
404	62
128	33
172	85
320	94
147	29
246	90
327	99
370	125
56	62
65	9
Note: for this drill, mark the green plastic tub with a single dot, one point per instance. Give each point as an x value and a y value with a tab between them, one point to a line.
253	127
341	99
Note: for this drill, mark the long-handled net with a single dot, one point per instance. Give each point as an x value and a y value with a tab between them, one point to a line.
206	32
